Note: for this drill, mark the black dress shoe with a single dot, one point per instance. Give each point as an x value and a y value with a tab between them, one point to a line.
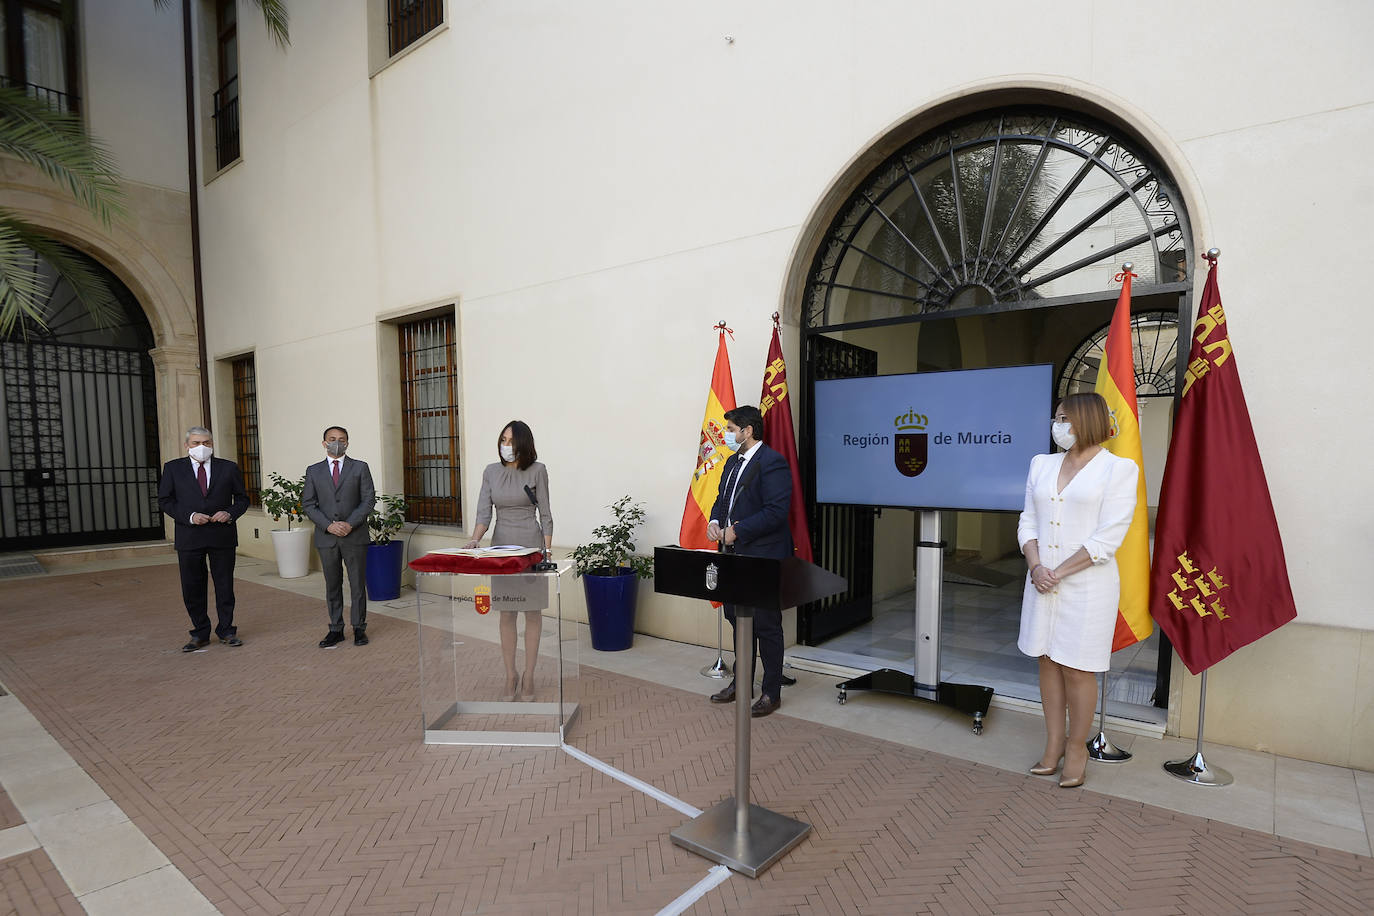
332	639
789	681
195	644
359	637
231	640
764	706
726	695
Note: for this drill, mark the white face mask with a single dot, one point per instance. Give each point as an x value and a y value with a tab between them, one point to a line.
507	453
1063	435
201	453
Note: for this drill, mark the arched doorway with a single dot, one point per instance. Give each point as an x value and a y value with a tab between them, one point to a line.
78	422
990	240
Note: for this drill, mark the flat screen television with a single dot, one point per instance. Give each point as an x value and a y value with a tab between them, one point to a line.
959	439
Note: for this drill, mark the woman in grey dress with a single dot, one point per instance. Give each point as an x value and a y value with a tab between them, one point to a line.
515	487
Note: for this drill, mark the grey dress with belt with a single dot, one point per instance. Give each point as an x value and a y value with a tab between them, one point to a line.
503	489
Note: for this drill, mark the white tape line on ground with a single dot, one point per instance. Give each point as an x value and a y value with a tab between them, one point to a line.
694	893
641	785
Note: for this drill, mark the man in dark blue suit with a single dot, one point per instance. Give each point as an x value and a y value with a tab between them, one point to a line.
750	517
204	497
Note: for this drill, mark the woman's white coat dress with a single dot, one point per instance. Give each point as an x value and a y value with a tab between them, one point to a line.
1073	623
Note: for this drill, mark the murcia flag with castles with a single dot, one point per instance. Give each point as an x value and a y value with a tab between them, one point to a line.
1219	581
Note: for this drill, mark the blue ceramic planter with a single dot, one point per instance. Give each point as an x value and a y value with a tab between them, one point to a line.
384	570
611	609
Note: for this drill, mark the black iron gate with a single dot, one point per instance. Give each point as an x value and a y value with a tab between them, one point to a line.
841	536
78	419
78	446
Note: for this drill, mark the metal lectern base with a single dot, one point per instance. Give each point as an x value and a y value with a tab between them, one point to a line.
712	835
969	698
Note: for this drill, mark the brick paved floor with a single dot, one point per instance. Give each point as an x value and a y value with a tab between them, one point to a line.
30	884
9	815
285	779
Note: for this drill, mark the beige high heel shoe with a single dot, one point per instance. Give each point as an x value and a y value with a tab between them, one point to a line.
527	694
515	689
1073	782
1038	770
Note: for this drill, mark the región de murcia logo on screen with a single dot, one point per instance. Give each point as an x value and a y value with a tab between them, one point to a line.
911	448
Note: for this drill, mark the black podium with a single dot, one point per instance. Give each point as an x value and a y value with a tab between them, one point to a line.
744	837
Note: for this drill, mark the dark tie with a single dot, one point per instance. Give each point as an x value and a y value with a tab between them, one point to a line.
730	486
336	472
202	480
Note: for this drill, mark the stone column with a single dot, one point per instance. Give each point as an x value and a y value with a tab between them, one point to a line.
177	370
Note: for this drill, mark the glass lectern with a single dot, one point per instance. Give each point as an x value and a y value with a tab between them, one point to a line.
474	628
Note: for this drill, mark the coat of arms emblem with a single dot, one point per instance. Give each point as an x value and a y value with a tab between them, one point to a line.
910	447
712	576
481	598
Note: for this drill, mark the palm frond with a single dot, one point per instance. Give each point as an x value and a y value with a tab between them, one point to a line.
87	283
273	15
23	289
58	146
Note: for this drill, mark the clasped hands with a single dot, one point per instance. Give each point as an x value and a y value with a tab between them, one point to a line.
1043	578
200	518
716	533
340	529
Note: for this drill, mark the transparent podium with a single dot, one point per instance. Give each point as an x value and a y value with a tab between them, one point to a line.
473	629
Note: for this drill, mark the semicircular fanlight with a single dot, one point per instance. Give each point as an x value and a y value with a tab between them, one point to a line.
1008	205
1154	349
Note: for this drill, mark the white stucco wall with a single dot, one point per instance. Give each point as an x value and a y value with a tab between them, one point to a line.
598	184
133	94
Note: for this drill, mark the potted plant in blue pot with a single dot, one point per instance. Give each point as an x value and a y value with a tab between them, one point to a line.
610	573
386	552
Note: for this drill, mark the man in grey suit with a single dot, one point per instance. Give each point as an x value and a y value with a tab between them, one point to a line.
338	498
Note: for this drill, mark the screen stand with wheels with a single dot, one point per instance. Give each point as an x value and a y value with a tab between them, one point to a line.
925	684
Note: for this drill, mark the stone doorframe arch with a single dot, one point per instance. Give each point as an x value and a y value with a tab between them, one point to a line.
149	250
994	92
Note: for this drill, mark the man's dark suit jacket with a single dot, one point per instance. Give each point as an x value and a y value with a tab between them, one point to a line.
351	501
178	495
762	498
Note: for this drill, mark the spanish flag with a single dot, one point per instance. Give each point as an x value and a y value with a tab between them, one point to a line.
1116	384
711	453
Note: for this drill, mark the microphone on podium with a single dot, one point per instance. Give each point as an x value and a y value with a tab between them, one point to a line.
544	565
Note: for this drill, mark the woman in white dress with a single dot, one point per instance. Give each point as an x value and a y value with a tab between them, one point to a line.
1079	504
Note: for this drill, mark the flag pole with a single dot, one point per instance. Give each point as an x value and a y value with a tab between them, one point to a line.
1194	769
718	668
1101	748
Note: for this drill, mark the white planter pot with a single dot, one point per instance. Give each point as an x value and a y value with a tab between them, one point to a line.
293	551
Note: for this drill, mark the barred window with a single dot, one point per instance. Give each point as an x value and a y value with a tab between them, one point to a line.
226	98
409	20
429	420
38	51
246	427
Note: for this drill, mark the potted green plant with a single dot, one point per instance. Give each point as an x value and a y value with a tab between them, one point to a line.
610	570
292	546
385	553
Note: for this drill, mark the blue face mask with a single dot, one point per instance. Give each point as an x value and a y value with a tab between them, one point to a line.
731	441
